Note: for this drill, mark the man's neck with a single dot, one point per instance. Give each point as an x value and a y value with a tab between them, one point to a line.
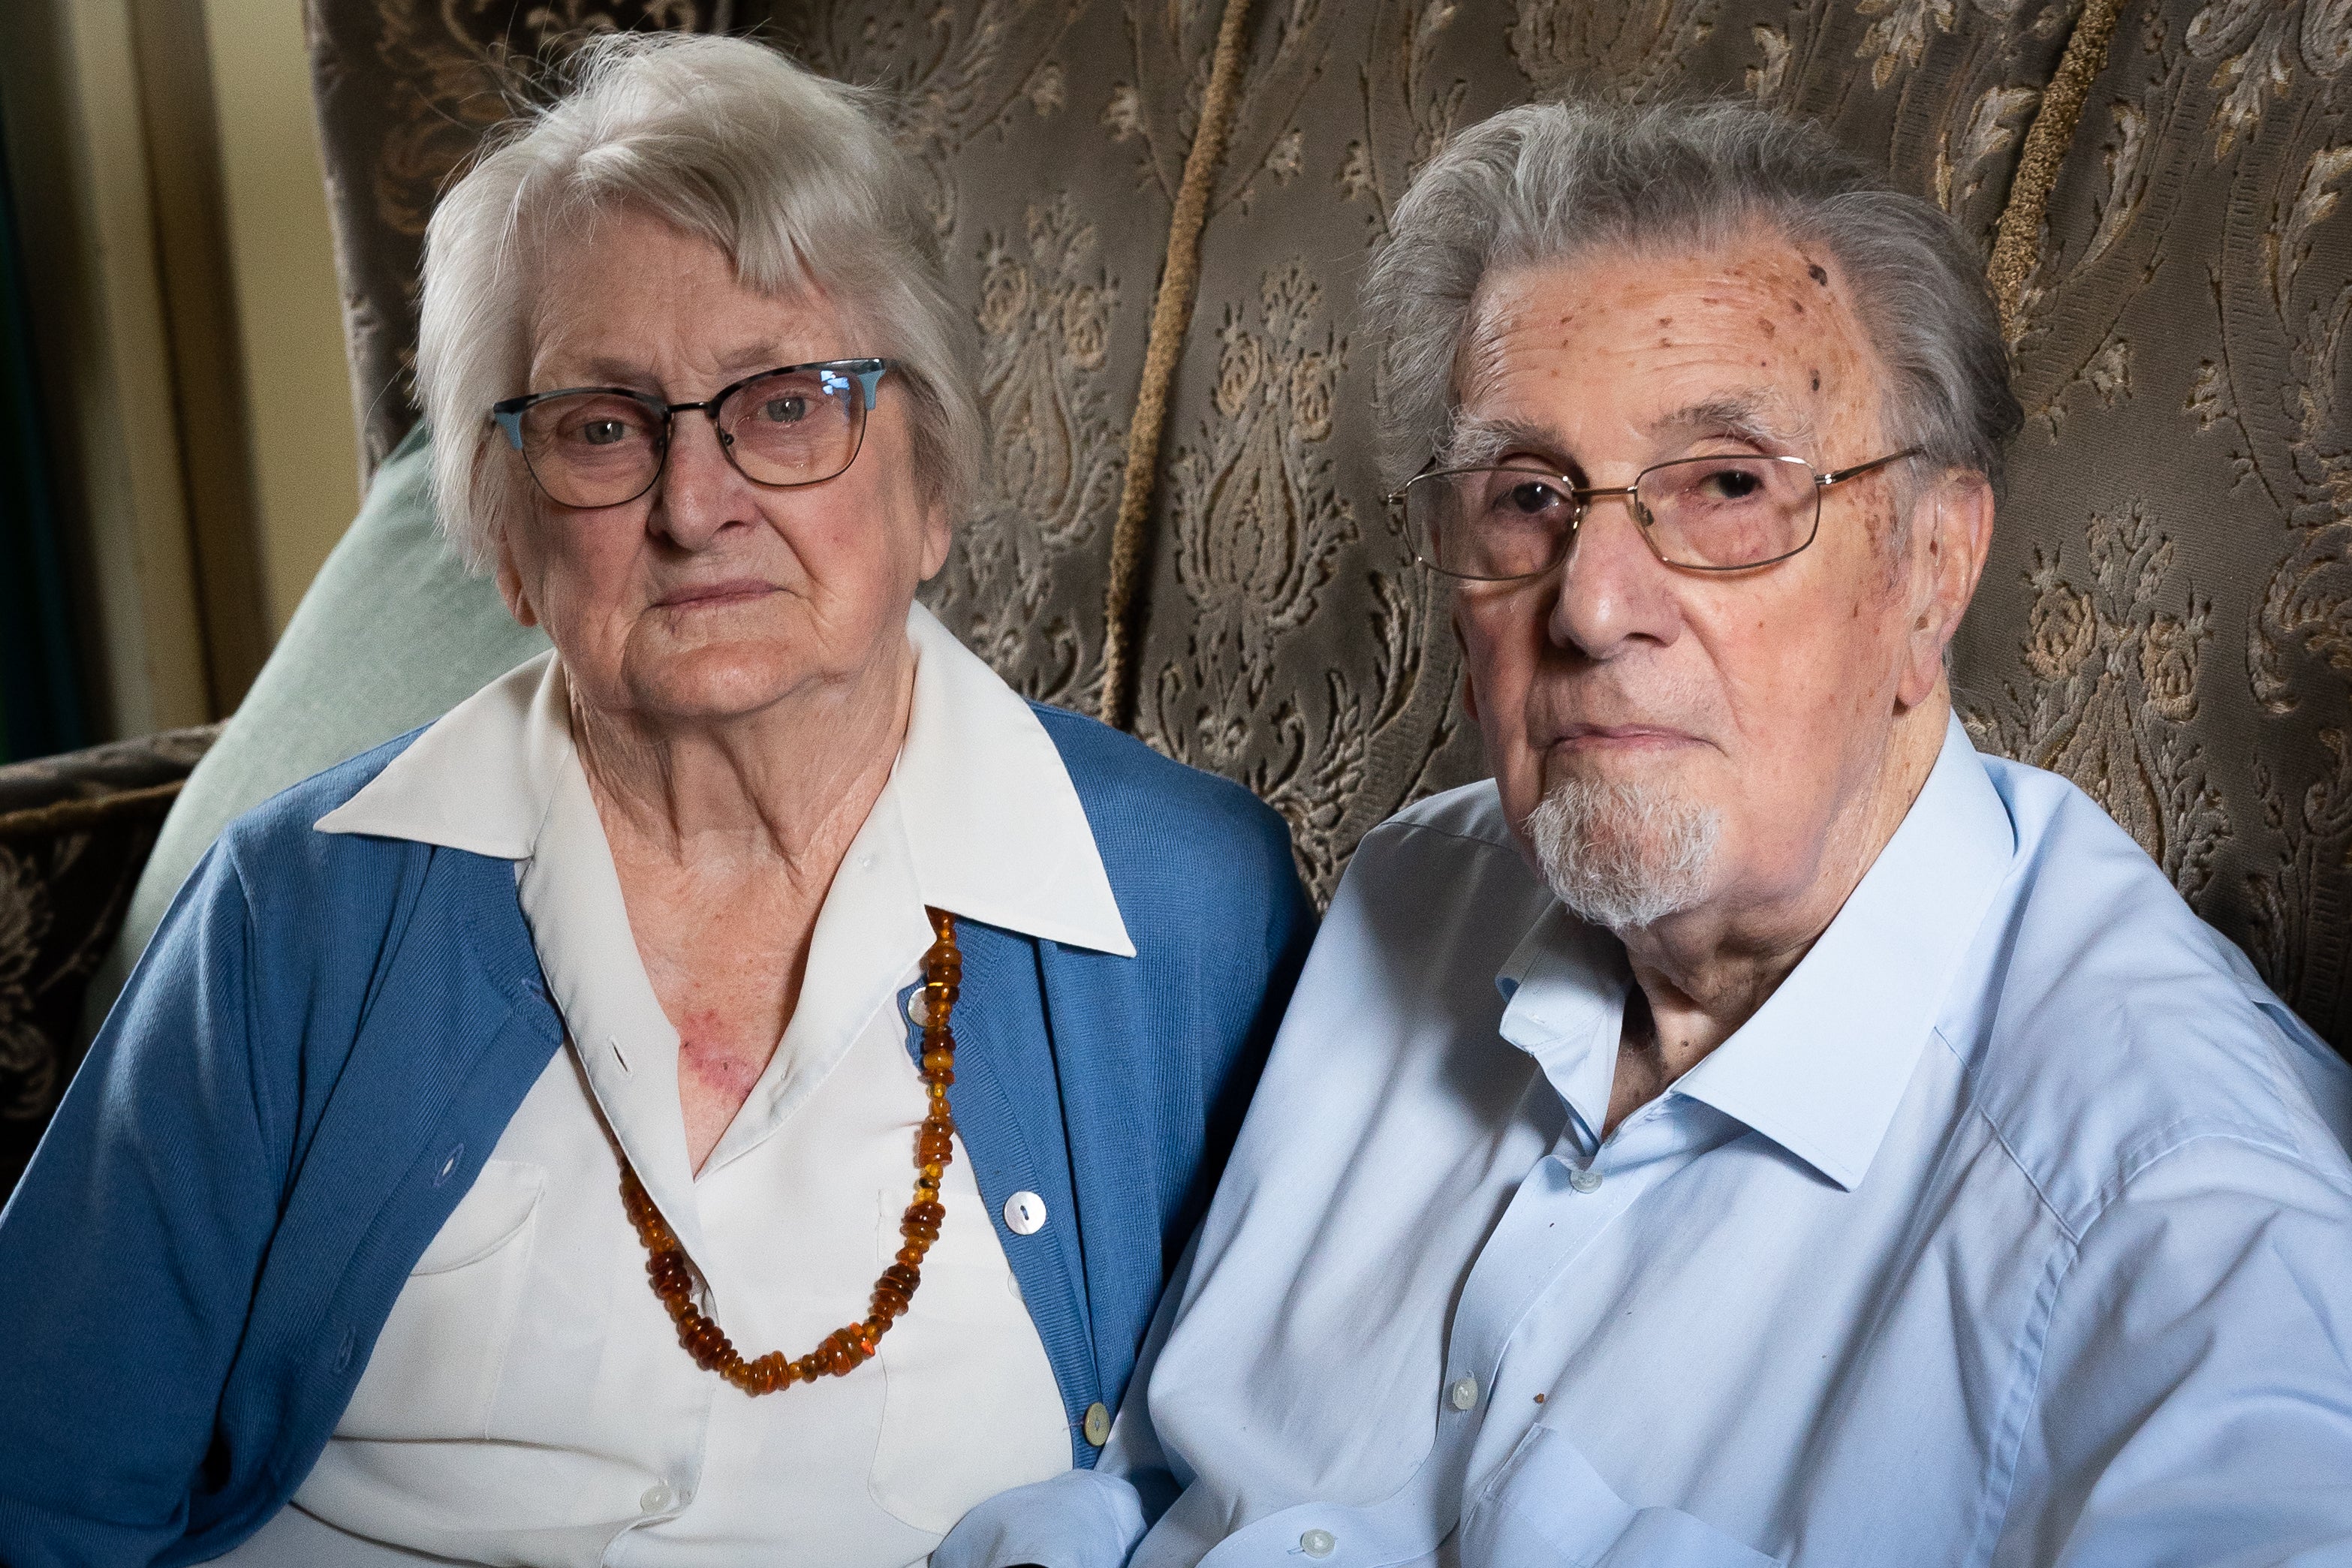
1700	976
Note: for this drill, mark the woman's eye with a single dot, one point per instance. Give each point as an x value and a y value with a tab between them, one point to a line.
603	432
784	410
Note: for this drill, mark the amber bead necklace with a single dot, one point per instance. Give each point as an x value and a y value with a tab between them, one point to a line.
844	1348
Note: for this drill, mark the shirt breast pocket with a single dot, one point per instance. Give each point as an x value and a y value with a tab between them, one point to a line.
970	1405
435	1369
1548	1506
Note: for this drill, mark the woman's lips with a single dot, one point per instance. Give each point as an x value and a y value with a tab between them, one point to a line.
714	595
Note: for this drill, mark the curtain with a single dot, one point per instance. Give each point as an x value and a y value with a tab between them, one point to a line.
40	707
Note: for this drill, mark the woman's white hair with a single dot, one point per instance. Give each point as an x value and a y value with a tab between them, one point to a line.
793	176
1549	182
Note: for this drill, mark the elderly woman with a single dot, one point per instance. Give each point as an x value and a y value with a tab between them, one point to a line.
728	1093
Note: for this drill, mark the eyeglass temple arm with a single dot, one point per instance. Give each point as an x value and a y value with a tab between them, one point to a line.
1859	469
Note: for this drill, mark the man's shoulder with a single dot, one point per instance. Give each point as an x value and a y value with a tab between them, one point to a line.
2106	1027
1470	815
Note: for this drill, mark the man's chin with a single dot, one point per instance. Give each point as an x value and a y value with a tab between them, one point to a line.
1622	854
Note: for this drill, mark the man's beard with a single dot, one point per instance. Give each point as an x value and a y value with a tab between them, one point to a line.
1619	855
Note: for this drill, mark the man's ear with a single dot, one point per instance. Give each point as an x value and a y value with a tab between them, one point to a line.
1462	646
1951	526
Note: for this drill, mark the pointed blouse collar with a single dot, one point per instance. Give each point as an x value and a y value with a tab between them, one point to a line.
994	823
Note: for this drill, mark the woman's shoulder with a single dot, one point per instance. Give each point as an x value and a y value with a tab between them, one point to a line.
1119	777
1151	814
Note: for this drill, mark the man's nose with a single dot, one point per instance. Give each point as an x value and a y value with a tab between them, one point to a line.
1612	588
701	492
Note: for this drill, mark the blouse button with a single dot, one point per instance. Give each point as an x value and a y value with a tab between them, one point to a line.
1464	1393
656	1497
1584	1181
1098	1424
1025	1213
1318	1543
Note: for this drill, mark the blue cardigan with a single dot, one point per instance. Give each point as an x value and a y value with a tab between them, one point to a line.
329	1034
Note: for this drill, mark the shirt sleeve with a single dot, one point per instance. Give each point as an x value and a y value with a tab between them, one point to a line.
129	1251
1088	1519
2195	1400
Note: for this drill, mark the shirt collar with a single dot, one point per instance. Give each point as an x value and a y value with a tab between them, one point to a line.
1822	1065
996	824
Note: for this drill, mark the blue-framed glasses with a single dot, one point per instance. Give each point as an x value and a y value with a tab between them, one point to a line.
604	446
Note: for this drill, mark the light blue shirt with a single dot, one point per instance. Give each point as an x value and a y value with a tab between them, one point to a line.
2015	1228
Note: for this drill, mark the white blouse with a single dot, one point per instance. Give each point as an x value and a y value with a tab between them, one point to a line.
528	1401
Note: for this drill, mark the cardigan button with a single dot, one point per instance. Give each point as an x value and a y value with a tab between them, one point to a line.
1098	1424
1025	1213
917	1012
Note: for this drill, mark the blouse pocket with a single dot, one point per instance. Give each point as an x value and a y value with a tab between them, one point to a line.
434	1373
1547	1506
970	1407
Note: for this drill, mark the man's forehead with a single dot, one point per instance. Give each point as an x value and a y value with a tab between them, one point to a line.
1753	335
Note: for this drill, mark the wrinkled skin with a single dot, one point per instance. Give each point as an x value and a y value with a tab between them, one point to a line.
738	655
1804	701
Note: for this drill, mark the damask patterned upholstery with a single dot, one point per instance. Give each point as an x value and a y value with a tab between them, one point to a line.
74	831
2167	615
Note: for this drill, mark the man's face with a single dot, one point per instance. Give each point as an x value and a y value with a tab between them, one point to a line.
1717	733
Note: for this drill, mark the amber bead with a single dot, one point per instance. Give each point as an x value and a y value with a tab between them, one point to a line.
846	1348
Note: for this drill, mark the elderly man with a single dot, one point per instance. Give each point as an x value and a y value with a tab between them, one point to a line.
1754	1127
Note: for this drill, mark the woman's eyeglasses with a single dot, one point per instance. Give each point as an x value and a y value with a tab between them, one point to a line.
604	446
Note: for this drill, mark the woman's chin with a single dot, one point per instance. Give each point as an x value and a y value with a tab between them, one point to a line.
714	681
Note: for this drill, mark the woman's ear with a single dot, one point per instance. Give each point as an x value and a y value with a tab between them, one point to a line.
510	580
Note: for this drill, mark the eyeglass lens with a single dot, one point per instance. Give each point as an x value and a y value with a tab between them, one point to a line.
602	448
1718	512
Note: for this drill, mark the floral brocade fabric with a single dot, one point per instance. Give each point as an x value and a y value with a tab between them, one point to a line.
2167	615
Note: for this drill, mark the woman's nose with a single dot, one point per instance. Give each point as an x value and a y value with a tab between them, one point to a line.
1612	587
701	492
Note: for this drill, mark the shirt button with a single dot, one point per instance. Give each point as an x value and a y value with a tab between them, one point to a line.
1025	1213
1318	1543
1463	1394
1098	1424
1584	1181
656	1497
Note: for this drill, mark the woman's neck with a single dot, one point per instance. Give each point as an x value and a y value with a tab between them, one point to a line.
782	788
726	839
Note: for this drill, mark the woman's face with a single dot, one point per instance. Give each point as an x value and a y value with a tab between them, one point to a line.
710	597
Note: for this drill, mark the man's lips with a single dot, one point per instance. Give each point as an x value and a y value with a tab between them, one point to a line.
712	595
1620	737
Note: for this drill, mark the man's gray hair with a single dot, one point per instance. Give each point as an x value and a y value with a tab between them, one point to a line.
1550	182
793	177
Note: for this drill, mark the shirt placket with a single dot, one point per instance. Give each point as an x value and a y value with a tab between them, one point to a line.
1561	1208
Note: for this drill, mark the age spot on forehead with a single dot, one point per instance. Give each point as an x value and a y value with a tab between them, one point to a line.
1814	269
1817	381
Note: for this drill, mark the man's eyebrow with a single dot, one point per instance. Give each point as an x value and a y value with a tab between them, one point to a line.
1758	418
1476	441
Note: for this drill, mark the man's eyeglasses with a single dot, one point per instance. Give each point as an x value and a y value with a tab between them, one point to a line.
1706	514
604	446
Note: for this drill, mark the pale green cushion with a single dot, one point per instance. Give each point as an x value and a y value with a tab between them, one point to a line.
393	634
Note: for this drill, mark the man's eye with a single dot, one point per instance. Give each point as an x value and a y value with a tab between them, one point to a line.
1729	484
1529	499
